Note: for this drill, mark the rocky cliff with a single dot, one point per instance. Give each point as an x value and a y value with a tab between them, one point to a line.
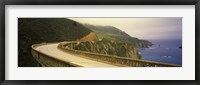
108	47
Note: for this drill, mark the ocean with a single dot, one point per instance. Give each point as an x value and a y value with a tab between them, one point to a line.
167	51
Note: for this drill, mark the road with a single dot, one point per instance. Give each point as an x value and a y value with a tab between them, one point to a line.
52	50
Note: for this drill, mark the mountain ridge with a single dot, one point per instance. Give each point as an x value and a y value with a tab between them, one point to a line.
113	33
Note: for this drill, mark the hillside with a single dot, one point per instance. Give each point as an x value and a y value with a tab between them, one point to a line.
108	47
109	30
113	33
37	30
90	37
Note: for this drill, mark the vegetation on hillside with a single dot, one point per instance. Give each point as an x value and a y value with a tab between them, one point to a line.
108	47
90	37
113	33
38	30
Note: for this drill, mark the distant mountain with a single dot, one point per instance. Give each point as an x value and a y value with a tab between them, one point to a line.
109	30
113	33
38	30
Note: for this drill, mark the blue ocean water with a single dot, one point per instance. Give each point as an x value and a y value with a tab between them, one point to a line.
166	51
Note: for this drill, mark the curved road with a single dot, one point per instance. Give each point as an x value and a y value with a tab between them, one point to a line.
52	50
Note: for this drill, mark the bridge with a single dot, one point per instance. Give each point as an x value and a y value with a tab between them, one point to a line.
60	55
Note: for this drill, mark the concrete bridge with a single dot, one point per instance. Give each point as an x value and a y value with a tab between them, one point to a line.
60	55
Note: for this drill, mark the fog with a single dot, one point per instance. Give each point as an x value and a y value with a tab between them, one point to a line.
142	28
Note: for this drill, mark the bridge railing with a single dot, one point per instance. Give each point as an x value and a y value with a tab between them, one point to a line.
47	60
116	60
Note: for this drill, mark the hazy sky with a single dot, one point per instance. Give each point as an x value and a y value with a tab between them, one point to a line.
142	28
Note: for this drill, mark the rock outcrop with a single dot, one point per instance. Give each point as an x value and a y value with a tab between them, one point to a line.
108	47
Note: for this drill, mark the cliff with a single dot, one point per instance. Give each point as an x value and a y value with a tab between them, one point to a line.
108	47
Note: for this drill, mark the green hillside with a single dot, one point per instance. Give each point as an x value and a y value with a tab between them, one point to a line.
108	30
113	33
38	30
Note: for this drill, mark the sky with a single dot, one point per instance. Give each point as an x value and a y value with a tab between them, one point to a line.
142	28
